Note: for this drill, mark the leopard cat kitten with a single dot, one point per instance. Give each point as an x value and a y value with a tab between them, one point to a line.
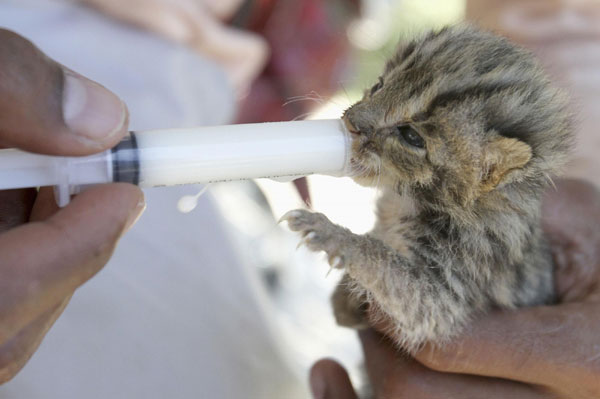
461	134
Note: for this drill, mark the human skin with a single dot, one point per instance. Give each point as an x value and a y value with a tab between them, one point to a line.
199	25
46	252
540	352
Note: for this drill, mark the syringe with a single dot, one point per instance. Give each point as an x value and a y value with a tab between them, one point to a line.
187	156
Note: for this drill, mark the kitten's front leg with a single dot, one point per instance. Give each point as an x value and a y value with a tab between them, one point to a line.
417	297
366	259
320	234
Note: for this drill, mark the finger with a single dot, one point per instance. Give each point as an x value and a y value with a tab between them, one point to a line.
48	109
329	380
572	207
43	262
394	375
381	358
45	205
570	218
176	20
15	207
17	351
554	347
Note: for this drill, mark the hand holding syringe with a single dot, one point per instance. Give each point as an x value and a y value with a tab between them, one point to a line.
188	156
47	253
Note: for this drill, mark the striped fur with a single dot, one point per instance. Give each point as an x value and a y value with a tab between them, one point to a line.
458	230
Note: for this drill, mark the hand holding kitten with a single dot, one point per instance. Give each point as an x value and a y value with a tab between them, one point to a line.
539	352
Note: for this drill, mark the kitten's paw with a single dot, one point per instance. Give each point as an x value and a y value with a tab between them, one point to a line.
319	234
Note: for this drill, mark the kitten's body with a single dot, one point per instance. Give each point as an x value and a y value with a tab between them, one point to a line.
461	135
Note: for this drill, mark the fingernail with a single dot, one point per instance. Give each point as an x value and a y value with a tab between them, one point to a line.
318	386
135	214
90	110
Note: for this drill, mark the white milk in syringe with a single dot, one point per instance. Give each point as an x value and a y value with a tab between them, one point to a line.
187	156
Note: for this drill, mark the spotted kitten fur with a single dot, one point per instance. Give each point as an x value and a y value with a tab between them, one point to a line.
461	135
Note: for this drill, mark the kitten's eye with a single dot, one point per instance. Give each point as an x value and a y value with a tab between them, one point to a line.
377	86
410	136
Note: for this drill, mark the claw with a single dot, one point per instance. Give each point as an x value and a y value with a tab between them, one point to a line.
288	215
328	272
333	264
336	262
306	239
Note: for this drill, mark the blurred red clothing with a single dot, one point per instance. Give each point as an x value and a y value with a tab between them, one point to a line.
310	55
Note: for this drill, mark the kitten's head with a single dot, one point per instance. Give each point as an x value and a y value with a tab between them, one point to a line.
459	114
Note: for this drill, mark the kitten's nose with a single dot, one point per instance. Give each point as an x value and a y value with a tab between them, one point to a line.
351	128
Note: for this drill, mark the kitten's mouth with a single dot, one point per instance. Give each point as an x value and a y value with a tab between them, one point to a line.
365	164
365	169
364	161
350	127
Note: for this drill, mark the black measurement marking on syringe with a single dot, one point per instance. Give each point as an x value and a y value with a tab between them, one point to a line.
274	177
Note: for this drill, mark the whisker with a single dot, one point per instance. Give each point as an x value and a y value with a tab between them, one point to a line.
296	100
345	91
302	116
312	96
379	167
358	169
549	178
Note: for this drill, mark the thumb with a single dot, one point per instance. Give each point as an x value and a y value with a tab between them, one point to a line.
329	380
549	346
49	109
43	262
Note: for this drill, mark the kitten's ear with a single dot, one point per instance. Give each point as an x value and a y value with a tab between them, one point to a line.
502	156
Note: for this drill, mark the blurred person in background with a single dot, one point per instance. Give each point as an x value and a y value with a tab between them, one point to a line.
176	312
283	58
545	352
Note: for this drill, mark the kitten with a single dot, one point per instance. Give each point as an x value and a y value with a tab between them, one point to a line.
461	134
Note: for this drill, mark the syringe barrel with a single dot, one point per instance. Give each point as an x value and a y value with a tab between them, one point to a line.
222	153
187	156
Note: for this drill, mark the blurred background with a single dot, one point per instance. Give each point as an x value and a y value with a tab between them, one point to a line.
218	302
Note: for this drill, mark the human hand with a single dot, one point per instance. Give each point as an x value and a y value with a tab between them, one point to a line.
540	352
200	25
46	253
